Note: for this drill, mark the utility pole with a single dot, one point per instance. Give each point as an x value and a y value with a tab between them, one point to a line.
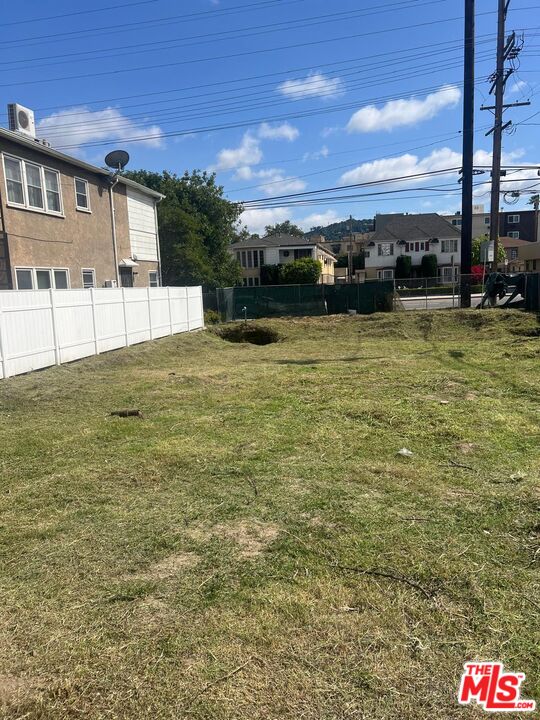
350	263
468	151
505	50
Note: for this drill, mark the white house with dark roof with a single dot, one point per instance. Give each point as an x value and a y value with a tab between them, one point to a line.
416	236
280	249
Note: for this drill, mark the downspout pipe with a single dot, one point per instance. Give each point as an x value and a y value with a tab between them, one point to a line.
160	275
112	183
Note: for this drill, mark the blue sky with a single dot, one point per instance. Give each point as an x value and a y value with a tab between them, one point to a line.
276	96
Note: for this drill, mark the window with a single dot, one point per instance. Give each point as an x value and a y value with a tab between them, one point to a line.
153	280
487	220
513	220
449	274
366	253
243	259
261	257
250	282
42	278
255	258
256	281
303	253
386	249
32	186
24	279
60	279
456	222
82	200
238	258
449	246
52	188
385	274
89	278
15	192
513	254
514	234
249	259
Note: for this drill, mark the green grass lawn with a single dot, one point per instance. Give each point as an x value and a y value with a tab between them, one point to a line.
208	560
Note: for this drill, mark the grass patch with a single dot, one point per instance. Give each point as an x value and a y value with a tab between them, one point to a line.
253	547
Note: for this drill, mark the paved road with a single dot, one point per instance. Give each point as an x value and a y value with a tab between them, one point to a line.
435	302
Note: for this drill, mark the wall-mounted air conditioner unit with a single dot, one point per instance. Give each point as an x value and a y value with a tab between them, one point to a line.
21	120
110	284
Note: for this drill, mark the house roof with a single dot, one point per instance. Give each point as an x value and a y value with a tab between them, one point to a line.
34	144
389	228
508	242
279	240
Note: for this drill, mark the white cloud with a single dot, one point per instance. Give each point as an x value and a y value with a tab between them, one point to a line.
313	85
316	219
518	86
285	131
276	181
402	166
399	113
247	153
75	126
316	154
257	220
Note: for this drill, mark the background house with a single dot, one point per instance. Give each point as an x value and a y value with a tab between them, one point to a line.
415	236
65	223
252	254
515	224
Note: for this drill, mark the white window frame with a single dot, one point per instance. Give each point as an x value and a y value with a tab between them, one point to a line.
457	222
50	270
78	207
386	274
444	243
389	246
514	234
446	273
26	206
513	219
88	270
153	272
487	220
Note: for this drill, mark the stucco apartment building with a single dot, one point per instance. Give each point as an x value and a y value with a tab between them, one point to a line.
514	224
280	249
67	224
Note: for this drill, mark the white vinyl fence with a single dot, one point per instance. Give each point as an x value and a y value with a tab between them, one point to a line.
39	328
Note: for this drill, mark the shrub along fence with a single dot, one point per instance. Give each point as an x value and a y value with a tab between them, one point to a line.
278	300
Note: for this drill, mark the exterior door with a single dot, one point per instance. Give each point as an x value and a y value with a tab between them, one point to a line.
126	277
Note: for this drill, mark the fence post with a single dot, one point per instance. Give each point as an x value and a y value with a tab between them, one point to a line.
3	345
94	320
426	293
149	298
54	327
170	309
187	309
126	334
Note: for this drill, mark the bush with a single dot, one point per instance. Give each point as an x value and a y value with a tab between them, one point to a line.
270	275
305	271
403	266
211	317
429	266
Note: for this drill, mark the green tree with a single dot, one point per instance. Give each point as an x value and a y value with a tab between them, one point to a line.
429	266
476	252
305	271
196	226
284	228
403	266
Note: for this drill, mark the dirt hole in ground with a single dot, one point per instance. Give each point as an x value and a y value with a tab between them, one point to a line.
253	334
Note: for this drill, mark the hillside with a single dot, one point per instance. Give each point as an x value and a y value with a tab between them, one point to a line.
335	231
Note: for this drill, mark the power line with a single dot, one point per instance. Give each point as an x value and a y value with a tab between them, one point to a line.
79	12
233	55
235	34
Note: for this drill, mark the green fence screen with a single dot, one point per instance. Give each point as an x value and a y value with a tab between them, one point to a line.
278	300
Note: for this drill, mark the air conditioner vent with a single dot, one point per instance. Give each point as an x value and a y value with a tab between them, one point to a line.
21	120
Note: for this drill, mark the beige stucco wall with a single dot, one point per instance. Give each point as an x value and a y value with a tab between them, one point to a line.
76	240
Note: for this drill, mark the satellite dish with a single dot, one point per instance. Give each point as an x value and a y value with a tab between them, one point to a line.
117	160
